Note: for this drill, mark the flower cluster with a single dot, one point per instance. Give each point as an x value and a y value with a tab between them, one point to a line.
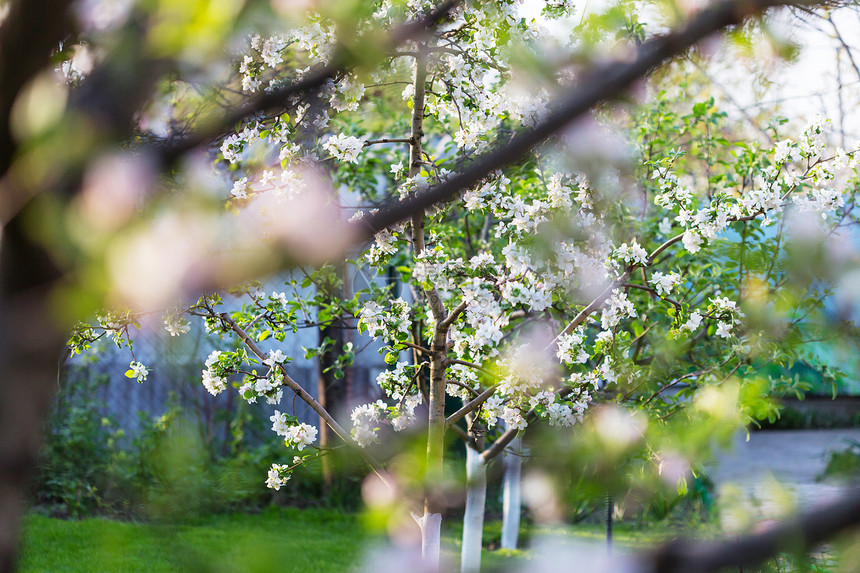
664	283
344	147
570	349
633	254
365	422
727	313
433	266
384	246
295	434
465	376
403	415
694	320
268	387
347	94
176	325
397	381
617	308
213	379
392	323
485	320
278	476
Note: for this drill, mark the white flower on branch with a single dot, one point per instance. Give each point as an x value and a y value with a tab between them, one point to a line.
692	241
693	322
138	371
633	253
301	435
514	418
176	325
569	347
664	283
214	384
277	477
344	147
618	307
365	420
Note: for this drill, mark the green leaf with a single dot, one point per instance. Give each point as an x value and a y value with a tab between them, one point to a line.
682	486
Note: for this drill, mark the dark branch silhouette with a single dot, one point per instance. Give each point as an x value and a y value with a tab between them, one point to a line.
280	97
797	535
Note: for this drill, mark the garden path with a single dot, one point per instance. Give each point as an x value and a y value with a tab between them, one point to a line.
774	471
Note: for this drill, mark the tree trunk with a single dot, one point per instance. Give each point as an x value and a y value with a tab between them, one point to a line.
431	538
473	518
431	522
331	391
512	495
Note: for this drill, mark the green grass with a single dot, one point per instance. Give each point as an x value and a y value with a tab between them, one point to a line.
310	540
316	541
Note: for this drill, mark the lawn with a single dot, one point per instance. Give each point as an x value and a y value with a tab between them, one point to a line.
312	541
301	541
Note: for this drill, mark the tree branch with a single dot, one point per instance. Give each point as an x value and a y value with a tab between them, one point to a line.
307	398
370	142
449	320
471	406
463	435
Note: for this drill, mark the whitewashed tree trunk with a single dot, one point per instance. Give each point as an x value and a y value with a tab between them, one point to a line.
473	519
512	495
431	539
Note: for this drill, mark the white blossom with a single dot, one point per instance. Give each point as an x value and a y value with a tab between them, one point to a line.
365	419
138	371
275	357
786	151
176	325
618	307
387	323
492	410
664	283
240	188
301	435
344	147
724	304
514	418
633	253
276	478
569	349
214	384
404	416
280	423
559	414
693	322
724	329
692	241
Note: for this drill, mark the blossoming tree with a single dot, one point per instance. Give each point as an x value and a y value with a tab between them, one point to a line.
541	287
539	291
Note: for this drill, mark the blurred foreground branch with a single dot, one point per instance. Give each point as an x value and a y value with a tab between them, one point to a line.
280	97
797	535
